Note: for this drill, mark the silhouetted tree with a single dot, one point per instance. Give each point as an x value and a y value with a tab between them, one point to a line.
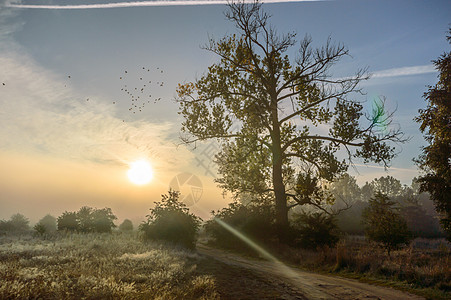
18	223
383	223
268	108
126	225
435	123
68	222
46	225
102	220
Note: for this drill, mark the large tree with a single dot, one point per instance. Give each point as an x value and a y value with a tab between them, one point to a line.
435	123
269	110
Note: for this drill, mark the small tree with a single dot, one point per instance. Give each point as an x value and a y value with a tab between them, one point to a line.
46	225
316	230
171	221
383	223
68	222
126	225
84	218
49	223
18	223
102	220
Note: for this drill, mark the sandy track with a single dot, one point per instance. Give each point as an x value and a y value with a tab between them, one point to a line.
306	285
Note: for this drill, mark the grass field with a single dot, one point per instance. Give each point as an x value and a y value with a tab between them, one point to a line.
109	266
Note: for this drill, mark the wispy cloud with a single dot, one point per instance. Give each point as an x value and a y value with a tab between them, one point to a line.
41	113
142	4
404	71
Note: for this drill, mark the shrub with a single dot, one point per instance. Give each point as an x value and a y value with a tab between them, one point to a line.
126	225
383	223
254	221
315	230
171	221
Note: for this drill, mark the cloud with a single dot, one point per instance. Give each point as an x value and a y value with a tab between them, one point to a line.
40	113
142	4
404	71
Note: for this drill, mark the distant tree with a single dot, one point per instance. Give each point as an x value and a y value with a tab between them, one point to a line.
18	223
316	230
277	105
126	225
383	223
46	225
68	222
85	219
102	220
49	222
171	221
387	185
435	123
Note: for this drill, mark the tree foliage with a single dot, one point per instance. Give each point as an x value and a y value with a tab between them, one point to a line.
268	109
383	223
18	223
435	123
87	219
46	225
171	221
126	225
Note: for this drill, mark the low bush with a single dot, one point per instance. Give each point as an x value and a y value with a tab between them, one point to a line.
171	221
254	221
315	230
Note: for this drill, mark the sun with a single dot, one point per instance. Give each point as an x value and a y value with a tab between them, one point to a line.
140	172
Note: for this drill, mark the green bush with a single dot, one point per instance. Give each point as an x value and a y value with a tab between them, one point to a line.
254	221
171	221
315	230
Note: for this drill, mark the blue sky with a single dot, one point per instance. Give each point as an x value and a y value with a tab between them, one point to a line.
83	123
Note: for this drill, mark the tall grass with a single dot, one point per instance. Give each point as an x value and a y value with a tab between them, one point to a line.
99	266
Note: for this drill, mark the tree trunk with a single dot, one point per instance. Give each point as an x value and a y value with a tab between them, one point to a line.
277	179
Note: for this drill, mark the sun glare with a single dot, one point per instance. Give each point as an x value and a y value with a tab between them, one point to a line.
140	172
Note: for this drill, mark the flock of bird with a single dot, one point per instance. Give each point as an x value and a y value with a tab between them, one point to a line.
140	95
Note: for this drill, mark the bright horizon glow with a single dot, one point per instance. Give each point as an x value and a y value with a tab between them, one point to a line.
140	172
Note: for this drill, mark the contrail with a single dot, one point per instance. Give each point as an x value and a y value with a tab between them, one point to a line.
404	71
144	3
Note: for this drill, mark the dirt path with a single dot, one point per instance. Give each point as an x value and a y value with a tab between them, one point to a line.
292	283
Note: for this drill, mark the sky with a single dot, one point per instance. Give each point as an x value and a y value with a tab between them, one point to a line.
68	133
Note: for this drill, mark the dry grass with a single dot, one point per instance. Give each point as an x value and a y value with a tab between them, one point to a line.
424	267
99	266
